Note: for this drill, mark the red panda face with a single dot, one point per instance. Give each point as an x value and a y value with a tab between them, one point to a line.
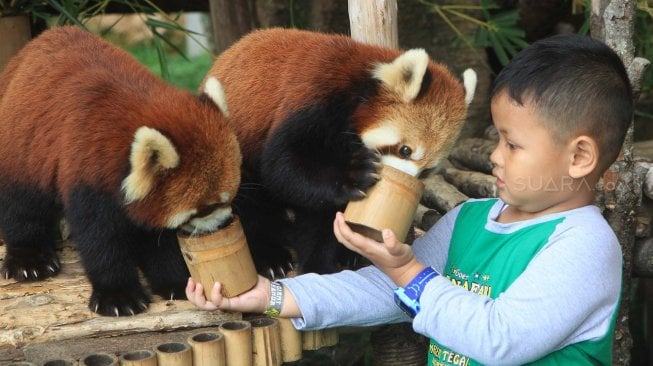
418	114
183	177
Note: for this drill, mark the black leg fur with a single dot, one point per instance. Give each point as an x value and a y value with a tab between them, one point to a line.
106	241
27	221
163	265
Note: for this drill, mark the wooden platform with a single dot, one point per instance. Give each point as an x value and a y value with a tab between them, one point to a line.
53	315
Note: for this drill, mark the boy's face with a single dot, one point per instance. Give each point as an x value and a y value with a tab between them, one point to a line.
531	169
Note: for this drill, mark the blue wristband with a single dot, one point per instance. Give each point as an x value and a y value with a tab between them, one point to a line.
407	298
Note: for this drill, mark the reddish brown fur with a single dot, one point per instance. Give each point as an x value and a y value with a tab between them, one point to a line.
274	72
72	119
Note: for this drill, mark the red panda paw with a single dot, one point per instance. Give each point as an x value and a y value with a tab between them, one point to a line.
362	174
119	302
29	265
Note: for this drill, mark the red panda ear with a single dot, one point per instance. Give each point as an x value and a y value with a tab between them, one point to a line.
469	81
151	153
214	90
405	74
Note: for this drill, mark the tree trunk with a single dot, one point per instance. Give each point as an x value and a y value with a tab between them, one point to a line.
16	33
231	20
613	22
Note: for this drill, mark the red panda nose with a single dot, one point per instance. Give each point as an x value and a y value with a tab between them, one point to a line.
205	210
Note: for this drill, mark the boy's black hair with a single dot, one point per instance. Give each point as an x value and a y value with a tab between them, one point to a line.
577	84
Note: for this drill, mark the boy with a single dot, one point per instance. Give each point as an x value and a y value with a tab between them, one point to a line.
531	277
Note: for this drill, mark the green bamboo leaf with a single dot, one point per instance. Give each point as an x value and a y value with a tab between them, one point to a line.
498	49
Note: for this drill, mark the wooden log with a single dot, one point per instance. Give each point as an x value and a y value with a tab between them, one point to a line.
374	22
440	194
643	258
57	309
491	133
645	171
472	183
425	217
474	153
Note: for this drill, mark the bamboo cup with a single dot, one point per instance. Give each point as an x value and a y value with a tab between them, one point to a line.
266	342
138	358
291	341
238	342
99	359
174	354
316	339
208	349
390	204
221	256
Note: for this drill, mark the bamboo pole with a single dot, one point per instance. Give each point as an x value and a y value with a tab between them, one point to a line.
238	342
99	359
291	341
174	354
266	342
208	349
138	358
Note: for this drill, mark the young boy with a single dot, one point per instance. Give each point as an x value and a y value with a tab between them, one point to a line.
531	277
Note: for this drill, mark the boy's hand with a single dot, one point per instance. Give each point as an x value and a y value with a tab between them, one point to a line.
252	301
393	257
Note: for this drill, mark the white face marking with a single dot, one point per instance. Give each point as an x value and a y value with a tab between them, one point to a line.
224	197
381	136
418	154
177	220
209	222
406	166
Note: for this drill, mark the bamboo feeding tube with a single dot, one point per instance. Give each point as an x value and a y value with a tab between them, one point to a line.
266	342
174	354
138	358
208	349
238	342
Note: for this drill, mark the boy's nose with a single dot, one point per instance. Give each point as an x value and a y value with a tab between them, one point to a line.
494	157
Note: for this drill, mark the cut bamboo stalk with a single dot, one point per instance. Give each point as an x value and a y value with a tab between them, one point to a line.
174	354
266	342
138	358
316	339
99	359
390	204
221	256
238	342
60	362
208	349
291	341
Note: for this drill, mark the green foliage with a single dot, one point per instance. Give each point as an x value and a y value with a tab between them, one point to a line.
77	12
183	72
496	29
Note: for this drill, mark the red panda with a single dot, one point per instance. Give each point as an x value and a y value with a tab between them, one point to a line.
314	114
86	128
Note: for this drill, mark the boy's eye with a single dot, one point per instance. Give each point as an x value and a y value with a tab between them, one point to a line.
511	146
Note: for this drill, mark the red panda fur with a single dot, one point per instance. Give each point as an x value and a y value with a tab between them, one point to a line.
314	114
71	108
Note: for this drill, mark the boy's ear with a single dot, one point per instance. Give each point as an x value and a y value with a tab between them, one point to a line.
584	157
